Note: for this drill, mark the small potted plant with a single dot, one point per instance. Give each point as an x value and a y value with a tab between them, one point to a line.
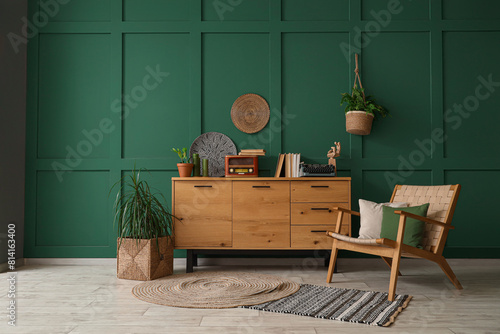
185	168
360	110
145	227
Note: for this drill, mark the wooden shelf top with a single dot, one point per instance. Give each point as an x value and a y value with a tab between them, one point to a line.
306	178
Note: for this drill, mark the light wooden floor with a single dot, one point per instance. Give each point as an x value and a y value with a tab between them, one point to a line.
90	299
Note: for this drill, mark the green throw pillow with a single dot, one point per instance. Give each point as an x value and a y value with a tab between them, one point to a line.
414	228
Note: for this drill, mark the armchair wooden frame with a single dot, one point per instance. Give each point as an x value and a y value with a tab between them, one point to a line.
442	199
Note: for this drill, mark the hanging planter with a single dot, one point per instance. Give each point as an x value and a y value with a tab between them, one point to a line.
360	110
358	122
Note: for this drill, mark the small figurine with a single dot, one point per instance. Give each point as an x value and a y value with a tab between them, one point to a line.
332	154
334	151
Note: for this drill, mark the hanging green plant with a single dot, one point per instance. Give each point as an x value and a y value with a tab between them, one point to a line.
356	101
360	110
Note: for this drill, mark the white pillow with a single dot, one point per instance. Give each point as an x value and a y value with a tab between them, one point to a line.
371	217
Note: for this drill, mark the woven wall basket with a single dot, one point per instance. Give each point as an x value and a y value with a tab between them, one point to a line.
250	113
143	262
358	122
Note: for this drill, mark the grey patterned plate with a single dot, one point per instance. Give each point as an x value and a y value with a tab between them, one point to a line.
213	146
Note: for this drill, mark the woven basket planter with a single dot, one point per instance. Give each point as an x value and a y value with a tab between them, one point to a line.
142	261
358	122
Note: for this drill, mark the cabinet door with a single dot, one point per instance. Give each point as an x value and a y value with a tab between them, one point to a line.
261	214
204	208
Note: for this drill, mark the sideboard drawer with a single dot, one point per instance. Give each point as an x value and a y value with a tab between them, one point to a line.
320	191
312	237
317	213
199	192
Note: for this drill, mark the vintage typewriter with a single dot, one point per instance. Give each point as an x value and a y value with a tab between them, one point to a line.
317	170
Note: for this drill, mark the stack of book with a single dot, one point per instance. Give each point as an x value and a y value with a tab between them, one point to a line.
253	151
290	163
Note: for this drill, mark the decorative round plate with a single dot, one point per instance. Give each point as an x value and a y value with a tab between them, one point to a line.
250	113
213	146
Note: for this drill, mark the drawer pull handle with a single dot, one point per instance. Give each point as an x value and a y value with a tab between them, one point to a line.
321	209
320	186
261	186
318	231
203	186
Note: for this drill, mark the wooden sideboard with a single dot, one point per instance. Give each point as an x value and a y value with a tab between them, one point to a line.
264	213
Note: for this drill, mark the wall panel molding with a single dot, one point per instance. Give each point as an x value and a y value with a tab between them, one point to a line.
419	60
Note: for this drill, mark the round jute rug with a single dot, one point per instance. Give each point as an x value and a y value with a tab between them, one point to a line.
215	289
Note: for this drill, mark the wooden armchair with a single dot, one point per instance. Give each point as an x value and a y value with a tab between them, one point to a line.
442	199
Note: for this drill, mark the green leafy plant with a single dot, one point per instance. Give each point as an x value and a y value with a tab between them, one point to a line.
182	155
355	101
139	212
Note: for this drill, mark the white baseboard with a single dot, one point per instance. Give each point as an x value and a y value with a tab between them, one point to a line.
81	261
4	267
70	261
177	262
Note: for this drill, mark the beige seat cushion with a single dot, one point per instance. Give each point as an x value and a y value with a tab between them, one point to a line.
371	217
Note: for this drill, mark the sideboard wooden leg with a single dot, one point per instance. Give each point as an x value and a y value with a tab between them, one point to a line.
195	258
189	261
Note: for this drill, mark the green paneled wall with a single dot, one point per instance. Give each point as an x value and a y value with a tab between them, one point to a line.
315	10
155	10
77	10
255	10
307	92
232	64
396	68
113	84
74	92
70	213
155	105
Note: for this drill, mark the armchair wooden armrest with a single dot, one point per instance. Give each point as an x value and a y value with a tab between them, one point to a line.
341	215
424	219
346	211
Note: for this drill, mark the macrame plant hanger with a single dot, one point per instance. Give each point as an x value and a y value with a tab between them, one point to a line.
357	77
358	122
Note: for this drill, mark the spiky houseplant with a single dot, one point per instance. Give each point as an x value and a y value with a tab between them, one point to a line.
145	229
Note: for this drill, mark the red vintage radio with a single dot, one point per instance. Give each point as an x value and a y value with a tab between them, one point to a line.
242	166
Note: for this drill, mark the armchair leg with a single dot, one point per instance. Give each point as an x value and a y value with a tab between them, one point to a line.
394	276
333	261
449	273
388	260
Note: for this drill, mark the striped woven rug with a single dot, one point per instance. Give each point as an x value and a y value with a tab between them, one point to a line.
365	307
